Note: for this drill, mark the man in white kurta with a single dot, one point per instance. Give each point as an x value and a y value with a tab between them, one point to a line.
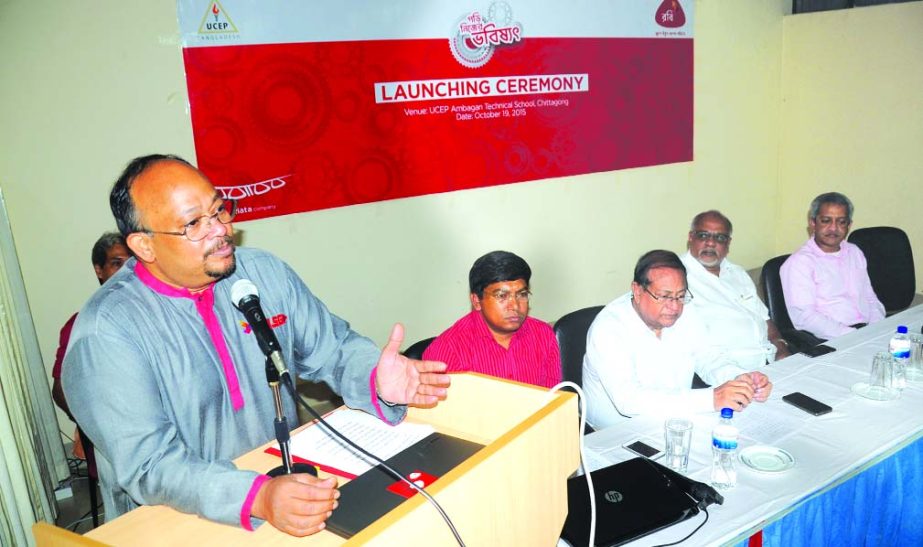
736	320
643	348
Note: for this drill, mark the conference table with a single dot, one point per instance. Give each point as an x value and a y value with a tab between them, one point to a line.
858	472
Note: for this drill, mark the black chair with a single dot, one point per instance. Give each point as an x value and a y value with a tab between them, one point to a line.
415	351
771	282
698	382
890	265
571	330
92	476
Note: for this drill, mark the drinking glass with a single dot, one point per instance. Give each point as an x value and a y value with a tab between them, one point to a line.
677	436
881	377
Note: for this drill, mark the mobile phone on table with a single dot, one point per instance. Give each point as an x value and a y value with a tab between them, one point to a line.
643	449
818	350
807	404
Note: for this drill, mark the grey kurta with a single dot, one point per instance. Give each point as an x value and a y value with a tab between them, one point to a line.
145	381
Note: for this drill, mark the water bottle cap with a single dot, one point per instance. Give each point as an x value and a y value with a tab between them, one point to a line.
727	413
902	329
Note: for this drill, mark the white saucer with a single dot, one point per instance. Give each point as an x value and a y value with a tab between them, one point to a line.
875	393
767	459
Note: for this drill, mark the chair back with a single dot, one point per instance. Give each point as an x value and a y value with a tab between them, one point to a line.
771	282
571	331
890	265
415	351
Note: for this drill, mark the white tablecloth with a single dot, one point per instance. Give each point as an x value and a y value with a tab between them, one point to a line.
828	449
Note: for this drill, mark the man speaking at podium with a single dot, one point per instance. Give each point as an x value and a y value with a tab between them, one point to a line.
169	383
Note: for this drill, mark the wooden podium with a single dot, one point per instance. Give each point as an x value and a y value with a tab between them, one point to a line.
512	492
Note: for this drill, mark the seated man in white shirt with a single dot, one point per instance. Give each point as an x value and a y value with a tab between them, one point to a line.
642	350
735	318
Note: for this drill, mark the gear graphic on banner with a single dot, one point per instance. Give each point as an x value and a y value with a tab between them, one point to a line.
475	36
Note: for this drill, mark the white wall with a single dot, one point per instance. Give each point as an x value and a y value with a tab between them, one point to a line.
852	118
86	87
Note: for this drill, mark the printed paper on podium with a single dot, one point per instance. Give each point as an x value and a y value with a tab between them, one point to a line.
318	447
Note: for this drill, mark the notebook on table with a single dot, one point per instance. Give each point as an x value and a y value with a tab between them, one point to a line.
633	498
368	497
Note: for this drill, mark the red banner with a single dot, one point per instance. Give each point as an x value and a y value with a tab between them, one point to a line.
302	126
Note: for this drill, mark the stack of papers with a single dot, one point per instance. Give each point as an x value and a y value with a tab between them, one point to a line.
317	446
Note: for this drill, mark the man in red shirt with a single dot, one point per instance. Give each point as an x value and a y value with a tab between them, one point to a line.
109	253
498	337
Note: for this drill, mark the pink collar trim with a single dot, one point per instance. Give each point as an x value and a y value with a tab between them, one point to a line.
159	286
204	304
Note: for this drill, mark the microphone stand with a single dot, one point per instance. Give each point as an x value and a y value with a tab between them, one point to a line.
282	432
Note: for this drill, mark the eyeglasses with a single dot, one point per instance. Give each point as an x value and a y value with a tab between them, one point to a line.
197	228
841	222
702	235
502	297
685	298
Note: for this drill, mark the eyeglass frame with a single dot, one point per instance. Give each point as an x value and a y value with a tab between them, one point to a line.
502	297
212	218
704	235
663	300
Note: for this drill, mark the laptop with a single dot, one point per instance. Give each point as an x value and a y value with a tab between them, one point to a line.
369	496
633	499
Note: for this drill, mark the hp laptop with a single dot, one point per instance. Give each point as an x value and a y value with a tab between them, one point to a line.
633	498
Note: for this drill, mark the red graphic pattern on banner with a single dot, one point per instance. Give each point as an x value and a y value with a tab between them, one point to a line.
295	127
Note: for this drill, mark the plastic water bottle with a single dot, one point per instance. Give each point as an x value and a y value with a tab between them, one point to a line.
724	452
900	347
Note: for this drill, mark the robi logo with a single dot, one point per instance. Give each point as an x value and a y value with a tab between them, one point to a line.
275	322
670	14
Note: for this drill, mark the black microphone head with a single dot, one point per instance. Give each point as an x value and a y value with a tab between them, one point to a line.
241	290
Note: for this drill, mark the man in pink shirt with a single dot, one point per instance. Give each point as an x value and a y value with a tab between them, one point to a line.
498	337
825	282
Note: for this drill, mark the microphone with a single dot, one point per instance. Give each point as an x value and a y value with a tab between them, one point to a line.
246	298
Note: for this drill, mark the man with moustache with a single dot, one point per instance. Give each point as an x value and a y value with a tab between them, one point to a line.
498	337
643	348
169	382
826	284
735	318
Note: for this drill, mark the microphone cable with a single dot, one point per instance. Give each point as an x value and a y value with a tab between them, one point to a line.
581	398
246	298
290	386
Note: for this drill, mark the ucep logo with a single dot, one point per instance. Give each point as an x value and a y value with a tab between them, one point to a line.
275	322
